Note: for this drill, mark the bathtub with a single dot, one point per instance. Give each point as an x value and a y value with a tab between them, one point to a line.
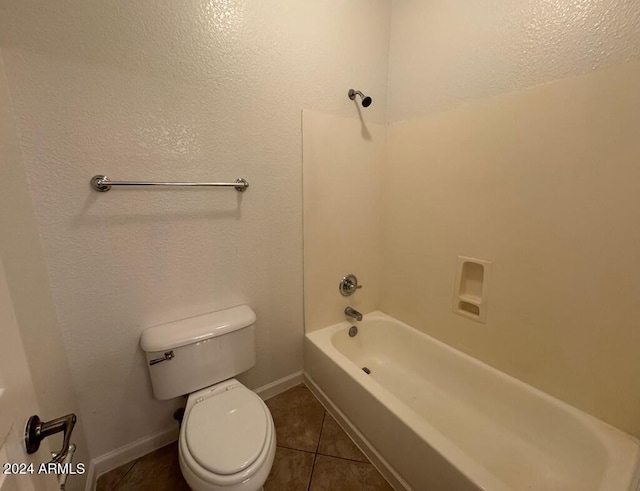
433	418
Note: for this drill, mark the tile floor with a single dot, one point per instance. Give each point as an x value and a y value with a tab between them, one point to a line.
313	453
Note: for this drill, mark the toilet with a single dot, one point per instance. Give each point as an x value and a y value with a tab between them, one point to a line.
227	438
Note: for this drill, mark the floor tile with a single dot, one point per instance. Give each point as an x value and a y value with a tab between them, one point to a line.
333	474
109	480
302	429
297	416
291	470
336	443
157	471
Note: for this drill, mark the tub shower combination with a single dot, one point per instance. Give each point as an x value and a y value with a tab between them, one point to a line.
432	417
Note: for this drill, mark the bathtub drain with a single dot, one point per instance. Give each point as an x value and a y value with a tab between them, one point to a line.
366	370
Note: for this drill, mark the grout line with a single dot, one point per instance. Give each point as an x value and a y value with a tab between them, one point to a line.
313	467
324	416
345	458
296	449
135	462
315	455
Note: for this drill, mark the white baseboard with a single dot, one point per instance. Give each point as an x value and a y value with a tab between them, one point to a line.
127	453
143	446
279	386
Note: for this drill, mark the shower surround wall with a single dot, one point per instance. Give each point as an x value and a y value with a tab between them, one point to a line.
192	90
542	181
343	160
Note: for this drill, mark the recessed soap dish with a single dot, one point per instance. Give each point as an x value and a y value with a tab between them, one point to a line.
472	288
469	308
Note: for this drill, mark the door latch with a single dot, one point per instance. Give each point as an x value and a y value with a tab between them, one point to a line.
38	430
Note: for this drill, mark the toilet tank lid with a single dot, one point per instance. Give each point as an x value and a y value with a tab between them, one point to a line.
194	329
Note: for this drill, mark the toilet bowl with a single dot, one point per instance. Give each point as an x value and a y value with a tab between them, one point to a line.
227	437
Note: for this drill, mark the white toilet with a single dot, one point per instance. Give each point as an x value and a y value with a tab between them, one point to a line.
227	438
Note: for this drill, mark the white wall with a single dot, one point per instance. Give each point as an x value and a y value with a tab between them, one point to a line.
447	52
18	401
180	91
27	282
540	181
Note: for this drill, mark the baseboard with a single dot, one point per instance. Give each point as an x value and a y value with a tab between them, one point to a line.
127	453
392	477
279	386
137	449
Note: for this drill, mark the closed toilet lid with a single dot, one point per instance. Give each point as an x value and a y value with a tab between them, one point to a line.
225	433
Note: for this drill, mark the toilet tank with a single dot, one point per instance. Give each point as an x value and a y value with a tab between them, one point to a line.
190	354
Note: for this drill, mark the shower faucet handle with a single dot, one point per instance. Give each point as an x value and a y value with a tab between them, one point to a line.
348	285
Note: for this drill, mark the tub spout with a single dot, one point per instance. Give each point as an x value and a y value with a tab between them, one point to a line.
351	312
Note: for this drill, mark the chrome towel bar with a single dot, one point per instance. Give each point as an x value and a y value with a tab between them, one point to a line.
103	183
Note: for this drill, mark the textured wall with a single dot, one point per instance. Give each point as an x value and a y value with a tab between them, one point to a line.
342	179
28	284
18	401
445	52
193	90
544	183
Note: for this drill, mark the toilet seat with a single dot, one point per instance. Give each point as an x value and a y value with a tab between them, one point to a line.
227	432
227	435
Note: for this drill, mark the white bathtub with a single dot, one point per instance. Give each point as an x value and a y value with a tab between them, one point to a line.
439	420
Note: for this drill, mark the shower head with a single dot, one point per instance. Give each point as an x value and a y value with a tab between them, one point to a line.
366	100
